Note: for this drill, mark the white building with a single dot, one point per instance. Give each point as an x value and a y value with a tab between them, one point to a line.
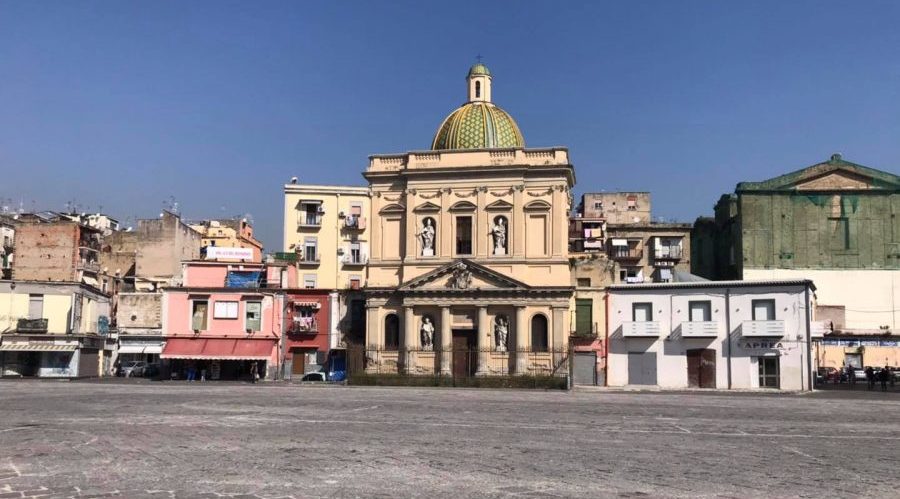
711	334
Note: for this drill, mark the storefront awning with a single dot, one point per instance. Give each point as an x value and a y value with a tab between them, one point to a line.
620	242
36	347
306	304
222	349
157	349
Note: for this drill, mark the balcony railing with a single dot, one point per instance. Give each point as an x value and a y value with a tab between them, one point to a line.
351	261
31	326
310	220
670	253
643	329
308	261
699	329
756	329
302	325
88	266
625	253
586	333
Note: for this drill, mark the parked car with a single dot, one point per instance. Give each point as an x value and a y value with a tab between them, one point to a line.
132	368
859	374
318	376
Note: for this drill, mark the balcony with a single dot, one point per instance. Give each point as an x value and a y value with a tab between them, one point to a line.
354	222
625	253
762	329
312	261
585	332
31	326
303	325
671	253
86	266
357	261
699	329
645	329
310	221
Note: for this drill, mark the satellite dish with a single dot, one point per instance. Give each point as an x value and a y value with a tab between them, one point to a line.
294	180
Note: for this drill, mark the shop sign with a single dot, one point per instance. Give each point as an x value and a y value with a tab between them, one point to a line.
762	345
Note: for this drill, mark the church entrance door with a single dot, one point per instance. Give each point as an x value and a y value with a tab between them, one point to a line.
465	355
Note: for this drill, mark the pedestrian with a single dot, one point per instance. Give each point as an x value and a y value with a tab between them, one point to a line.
203	374
254	372
870	377
884	376
851	376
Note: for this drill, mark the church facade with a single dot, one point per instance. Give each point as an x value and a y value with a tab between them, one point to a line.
468	271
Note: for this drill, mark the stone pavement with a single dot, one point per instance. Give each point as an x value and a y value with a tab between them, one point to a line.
136	440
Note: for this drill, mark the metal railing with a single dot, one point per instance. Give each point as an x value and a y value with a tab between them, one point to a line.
457	366
669	253
303	326
625	253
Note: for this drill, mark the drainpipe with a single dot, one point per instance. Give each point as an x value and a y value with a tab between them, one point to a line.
808	339
606	344
728	331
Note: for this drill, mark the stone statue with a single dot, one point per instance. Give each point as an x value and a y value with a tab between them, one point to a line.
501	333
427	332
427	235
499	233
462	278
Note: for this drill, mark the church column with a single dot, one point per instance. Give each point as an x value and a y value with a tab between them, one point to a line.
374	337
446	341
410	340
558	344
521	341
483	343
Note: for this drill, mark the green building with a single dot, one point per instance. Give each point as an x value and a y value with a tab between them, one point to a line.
836	222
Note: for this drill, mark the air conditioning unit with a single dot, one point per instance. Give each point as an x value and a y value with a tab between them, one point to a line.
341	214
320	210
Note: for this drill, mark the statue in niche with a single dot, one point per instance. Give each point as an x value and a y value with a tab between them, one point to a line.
427	234
427	333
499	233
501	333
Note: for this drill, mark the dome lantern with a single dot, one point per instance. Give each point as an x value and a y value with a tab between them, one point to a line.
479	123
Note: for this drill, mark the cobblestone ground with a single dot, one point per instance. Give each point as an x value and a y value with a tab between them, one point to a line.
136	440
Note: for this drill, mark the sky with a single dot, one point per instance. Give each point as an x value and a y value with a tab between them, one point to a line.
126	106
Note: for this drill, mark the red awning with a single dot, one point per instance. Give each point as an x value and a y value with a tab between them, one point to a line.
217	348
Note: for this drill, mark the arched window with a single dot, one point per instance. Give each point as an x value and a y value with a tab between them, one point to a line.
538	333
391	332
477	89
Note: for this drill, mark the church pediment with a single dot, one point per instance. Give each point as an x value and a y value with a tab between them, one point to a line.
462	275
835	174
837	180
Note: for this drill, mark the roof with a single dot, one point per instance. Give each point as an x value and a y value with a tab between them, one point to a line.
787	182
712	284
479	69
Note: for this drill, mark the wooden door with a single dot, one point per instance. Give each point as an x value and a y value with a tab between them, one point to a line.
708	368
701	368
298	366
693	368
464	353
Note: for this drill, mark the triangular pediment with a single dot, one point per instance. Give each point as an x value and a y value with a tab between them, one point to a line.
499	205
462	275
393	208
427	207
833	175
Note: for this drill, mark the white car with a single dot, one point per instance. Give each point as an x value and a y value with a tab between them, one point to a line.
132	368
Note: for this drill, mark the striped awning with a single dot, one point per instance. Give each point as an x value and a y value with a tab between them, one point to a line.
36	347
306	304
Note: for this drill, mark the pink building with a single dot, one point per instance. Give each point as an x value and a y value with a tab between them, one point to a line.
222	321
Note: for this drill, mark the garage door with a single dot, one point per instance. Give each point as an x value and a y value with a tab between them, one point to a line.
585	372
642	368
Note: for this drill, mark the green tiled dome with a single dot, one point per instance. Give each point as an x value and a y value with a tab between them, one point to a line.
478	125
479	69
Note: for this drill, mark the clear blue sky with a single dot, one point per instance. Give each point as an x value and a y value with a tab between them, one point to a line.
123	104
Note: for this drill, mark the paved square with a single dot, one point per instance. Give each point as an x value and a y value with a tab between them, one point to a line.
81	439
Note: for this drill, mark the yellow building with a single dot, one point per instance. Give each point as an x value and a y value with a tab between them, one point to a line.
53	329
229	233
469	271
326	234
